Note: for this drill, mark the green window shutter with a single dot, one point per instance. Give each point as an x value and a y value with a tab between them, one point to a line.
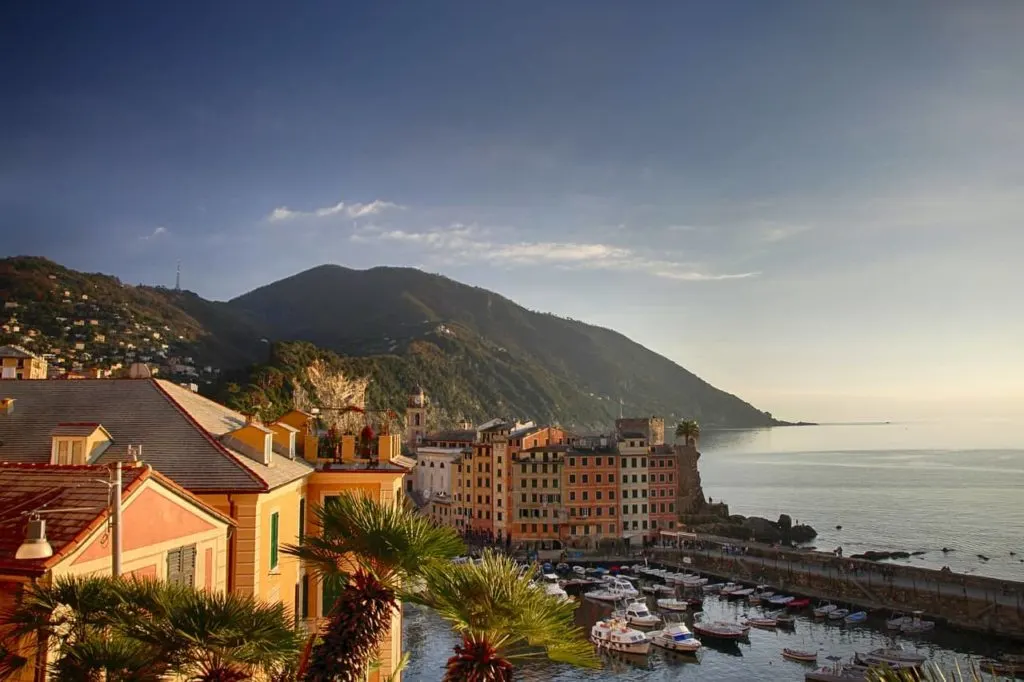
331	590
274	532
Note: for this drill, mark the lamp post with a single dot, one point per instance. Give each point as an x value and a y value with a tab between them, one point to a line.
36	546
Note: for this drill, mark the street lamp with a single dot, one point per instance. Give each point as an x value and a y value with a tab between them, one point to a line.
36	546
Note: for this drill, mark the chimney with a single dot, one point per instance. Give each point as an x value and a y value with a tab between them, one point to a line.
6	405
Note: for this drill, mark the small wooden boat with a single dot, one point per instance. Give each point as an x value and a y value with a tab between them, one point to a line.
720	630
801	603
838	614
799	655
785	620
892	657
780	600
741	594
858	617
761	623
916	626
672	604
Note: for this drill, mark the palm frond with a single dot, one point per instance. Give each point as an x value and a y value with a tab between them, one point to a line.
67	607
117	658
391	541
496	602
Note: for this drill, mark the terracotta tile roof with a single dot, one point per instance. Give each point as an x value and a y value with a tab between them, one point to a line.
459	436
176	428
75	429
25	488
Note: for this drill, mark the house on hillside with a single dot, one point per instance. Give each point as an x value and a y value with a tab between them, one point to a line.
19	363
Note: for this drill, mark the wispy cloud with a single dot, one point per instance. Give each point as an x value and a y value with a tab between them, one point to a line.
157	232
342	208
776	232
459	243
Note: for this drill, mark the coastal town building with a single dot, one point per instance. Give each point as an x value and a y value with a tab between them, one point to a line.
663	484
265	477
18	363
634	486
167	533
592	492
416	417
537	495
652	428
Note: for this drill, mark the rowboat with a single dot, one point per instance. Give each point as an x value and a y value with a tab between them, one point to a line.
892	657
713	587
720	630
741	594
780	600
824	610
858	617
785	620
838	614
798	655
802	603
916	625
762	623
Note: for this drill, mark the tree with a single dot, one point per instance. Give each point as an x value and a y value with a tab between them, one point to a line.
689	431
503	617
365	551
127	630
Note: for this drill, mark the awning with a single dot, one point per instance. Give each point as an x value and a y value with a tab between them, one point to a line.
679	535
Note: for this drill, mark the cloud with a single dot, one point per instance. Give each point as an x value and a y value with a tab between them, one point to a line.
773	233
157	232
350	210
460	244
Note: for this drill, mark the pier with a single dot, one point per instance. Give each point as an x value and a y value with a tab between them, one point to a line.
977	603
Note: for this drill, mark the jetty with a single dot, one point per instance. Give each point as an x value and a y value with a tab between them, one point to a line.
970	602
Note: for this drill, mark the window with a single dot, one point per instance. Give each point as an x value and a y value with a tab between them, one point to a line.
635	510
611	494
643	478
522	467
275	528
524	498
611	478
597	478
533	527
572	478
599	511
597	495
643	492
643	509
533	468
625	509
544	527
77	456
62	452
499	516
441	465
304	597
181	566
522	527
586	478
643	462
585	495
584	461
554	483
645	524
672	507
499	487
634	463
654	524
611	511
572	496
544	483
302	519
634	491
597	461
533	482
543	468
661	478
670	478
522	483
634	478
572	461
611	528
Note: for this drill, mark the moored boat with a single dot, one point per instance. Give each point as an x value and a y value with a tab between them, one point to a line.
637	613
675	637
916	625
551	586
741	594
838	614
858	617
616	590
713	587
672	604
785	620
893	657
761	623
801	603
613	634
579	570
721	630
780	600
824	610
800	655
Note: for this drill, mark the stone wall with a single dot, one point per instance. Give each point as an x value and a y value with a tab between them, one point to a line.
653	428
690	495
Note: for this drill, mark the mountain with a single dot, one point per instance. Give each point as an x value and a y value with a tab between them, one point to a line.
476	353
479	353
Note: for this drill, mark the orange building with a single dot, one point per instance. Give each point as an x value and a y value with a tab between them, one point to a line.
663	475
592	491
537	495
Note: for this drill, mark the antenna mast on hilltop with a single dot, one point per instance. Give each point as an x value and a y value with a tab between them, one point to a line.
177	278
620	408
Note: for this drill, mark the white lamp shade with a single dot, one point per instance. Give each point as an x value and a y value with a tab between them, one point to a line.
35	545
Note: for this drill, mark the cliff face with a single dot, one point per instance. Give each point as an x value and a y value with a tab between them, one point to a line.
690	499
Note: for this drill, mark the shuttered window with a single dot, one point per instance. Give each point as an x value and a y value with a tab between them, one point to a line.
181	566
275	522
302	519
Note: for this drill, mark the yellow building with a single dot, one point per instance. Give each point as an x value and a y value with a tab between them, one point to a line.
265	477
167	533
18	363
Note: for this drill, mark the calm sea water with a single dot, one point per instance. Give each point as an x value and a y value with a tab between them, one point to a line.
894	486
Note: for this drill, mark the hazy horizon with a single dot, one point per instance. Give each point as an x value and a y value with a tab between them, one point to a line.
813	206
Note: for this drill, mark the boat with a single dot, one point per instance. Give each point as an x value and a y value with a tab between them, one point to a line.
616	590
562	567
836	673
637	613
694	581
824	610
858	617
729	588
720	630
657	589
551	586
800	655
916	625
675	637
741	594
579	570
838	614
994	666
785	620
897	621
780	600
695	603
892	657
801	603
762	623
672	604
613	634
713	587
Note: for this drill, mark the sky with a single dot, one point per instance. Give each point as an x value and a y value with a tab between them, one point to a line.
815	205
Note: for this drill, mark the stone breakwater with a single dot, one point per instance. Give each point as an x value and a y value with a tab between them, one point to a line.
970	602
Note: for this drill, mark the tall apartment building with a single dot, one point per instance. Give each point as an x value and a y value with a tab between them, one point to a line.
651	428
663	479
537	495
18	363
592	496
634	486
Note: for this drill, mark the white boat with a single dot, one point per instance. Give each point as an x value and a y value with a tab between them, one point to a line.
713	587
579	570
897	621
729	588
916	625
892	657
672	604
637	613
824	611
741	594
694	581
780	600
551	586
612	634
616	590
761	623
675	637
838	614
721	630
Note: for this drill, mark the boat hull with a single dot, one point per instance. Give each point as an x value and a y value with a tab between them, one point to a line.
636	648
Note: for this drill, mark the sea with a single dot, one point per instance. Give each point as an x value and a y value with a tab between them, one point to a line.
915	487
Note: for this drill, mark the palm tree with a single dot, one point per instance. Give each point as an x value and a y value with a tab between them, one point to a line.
365	551
126	630
688	430
503	617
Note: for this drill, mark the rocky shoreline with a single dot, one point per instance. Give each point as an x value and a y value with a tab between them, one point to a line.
715	519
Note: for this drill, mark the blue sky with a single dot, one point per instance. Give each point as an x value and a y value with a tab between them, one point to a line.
815	205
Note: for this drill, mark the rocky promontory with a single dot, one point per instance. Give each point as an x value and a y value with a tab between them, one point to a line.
716	520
